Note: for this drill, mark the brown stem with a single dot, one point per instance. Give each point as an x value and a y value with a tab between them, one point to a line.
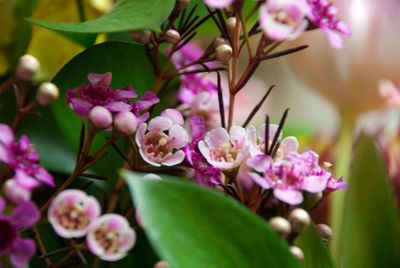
42	249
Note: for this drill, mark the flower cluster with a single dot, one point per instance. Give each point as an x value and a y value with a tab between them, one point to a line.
74	214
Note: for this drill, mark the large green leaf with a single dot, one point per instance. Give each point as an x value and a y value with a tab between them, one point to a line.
196	227
127	15
371	228
315	252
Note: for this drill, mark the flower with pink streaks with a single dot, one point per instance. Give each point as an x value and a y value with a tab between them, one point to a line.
206	174
224	150
71	213
218	3
257	141
322	15
23	159
18	250
99	93
110	237
289	176
162	140
284	19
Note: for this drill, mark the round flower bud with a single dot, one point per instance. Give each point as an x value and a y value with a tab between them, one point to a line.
297	253
172	36
231	24
299	219
219	41
100	117
161	264
181	5
280	225
223	53
27	67
47	93
325	231
143	36
125	123
15	192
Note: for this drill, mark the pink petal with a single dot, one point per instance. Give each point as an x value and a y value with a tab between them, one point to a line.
118	106
315	184
218	3
334	38
21	252
80	107
260	163
4	154
6	134
44	176
238	136
92	207
273	128
178	136
160	123
26	215
223	165
175	159
146	159
125	93
100	79
260	180
173	114
217	137
288	145
291	197
25	180
140	134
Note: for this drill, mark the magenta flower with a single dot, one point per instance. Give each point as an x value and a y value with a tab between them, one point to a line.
23	159
206	174
257	141
284	19
161	141
99	93
17	249
224	150
289	176
187	54
322	14
192	85
71	213
146	101
110	237
218	3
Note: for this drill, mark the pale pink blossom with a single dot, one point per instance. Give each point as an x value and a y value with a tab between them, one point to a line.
224	150
72	212
161	141
284	19
218	3
110	237
15	192
390	92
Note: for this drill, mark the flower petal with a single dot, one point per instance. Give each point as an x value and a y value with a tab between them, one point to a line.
315	184
80	107
259	180
291	197
178	136
125	93
25	215
173	114
217	137
288	145
140	134
25	180
44	176
238	136
100	79
160	123
175	159
118	106
6	134
21	252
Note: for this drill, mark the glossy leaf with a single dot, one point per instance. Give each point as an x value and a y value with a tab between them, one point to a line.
195	227
370	227
127	15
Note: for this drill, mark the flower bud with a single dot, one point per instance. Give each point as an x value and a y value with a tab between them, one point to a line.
161	264
143	36
15	192
280	225
181	5
231	24
223	53
299	219
125	123
100	117
325	231
27	67
219	41
172	36
297	253
47	93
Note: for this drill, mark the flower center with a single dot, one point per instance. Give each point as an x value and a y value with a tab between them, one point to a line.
283	17
72	216
109	240
225	153
97	95
157	147
8	233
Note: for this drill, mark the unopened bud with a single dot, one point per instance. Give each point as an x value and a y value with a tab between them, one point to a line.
231	24
27	67
15	192
47	93
181	5
219	41
100	117
297	253
280	225
161	264
299	219
223	53
142	37
325	231
125	123
172	36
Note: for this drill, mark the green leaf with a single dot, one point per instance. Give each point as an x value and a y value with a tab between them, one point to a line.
315	252
370	235
127	15
196	227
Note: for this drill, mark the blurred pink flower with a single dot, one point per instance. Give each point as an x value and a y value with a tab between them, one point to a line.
71	213
218	3
110	237
390	92
161	141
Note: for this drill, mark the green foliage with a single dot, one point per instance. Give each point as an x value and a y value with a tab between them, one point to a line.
370	226
194	227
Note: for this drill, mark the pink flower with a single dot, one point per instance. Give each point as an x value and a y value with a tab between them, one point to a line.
224	150
99	93
289	176
322	14
19	250
146	101
161	141
284	19
16	193
390	92
257	141
110	237
23	159
71	213
218	3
